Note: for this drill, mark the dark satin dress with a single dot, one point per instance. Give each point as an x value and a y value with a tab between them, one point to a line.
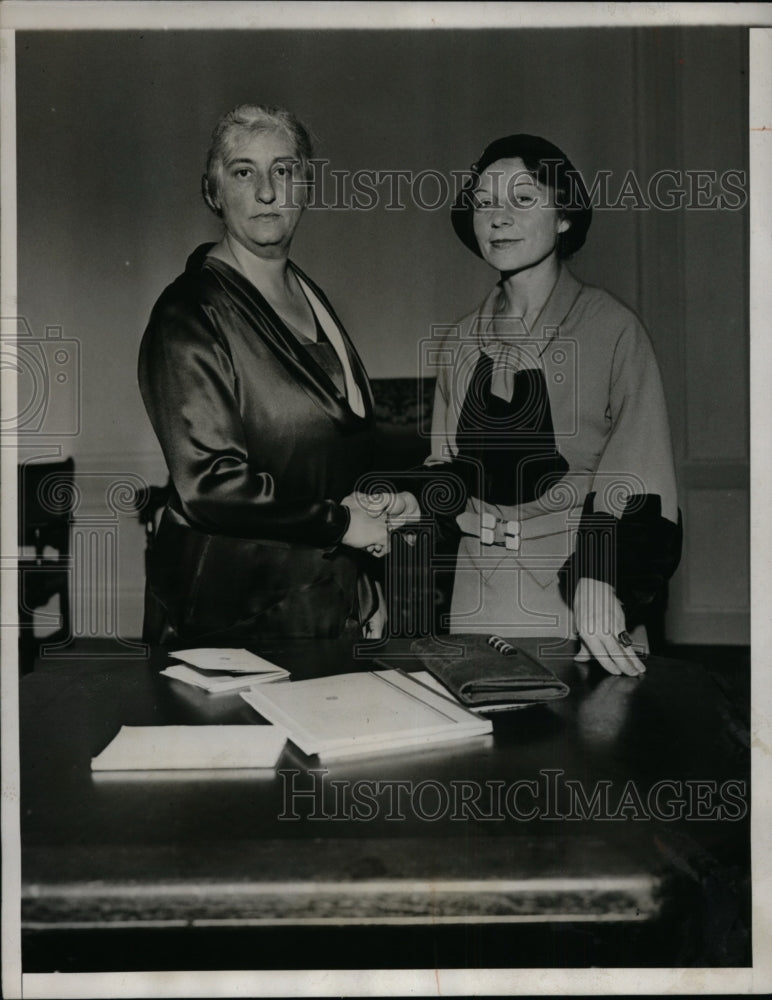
261	446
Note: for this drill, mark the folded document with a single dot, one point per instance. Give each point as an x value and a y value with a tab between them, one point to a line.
219	670
359	713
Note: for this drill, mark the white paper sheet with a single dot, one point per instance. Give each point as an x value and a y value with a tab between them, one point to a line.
150	748
216	683
235	661
349	712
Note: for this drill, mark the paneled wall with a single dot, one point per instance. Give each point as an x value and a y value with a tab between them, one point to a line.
112	133
694	299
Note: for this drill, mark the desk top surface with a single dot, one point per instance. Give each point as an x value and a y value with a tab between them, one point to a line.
497	809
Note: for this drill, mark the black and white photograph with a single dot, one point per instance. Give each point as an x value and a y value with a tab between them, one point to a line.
385	435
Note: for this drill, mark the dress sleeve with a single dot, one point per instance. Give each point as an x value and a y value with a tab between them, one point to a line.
188	384
630	529
442	483
445	481
441	443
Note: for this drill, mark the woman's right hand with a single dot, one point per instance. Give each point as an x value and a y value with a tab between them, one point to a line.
400	508
366	530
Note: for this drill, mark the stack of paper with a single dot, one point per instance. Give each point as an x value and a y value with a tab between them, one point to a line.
151	748
217	670
363	713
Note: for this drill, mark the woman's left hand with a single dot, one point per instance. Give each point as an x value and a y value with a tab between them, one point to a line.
600	622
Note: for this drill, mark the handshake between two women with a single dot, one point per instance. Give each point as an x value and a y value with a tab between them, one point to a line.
373	516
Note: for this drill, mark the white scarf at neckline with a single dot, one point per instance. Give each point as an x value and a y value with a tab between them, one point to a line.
333	334
510	354
328	325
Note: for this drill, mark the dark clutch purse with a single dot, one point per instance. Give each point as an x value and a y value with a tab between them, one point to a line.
488	673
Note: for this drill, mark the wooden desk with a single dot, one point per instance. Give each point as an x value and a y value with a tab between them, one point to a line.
222	851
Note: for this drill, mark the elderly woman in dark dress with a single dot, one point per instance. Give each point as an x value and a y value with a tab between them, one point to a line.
265	417
549	405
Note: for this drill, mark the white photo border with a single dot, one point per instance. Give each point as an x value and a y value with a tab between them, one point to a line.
419	16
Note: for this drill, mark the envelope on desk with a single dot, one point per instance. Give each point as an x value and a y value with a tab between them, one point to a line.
223	670
234	661
154	748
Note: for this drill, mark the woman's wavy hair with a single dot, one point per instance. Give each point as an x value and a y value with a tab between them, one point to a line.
252	118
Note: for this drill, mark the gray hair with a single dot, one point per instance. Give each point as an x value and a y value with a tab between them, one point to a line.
252	118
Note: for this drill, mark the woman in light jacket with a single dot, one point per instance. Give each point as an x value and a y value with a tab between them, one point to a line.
550	408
